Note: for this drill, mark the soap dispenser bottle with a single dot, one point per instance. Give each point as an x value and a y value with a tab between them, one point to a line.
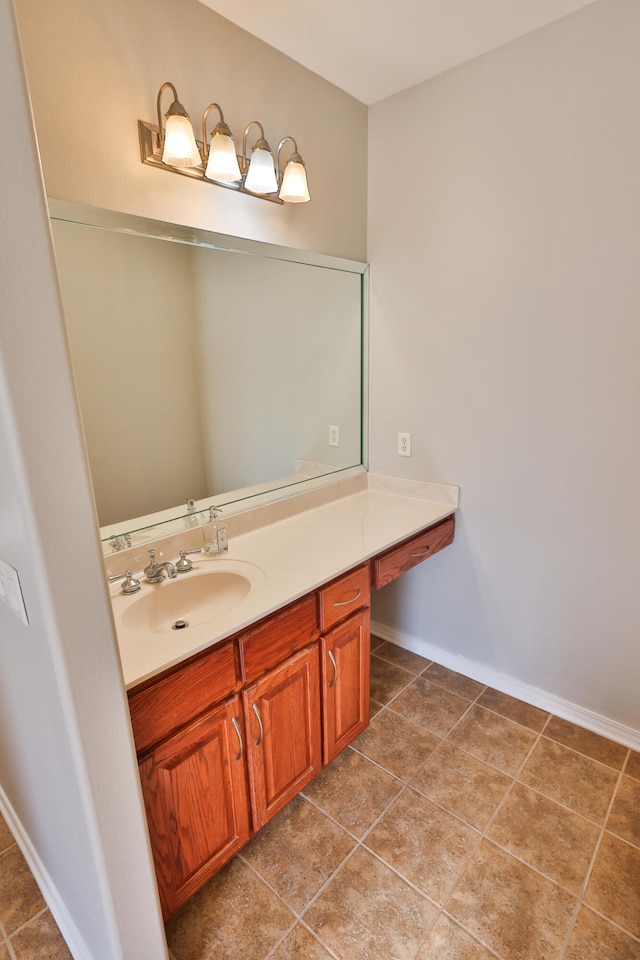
214	534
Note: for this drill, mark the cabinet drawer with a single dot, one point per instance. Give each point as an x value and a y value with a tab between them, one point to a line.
271	642
165	706
399	559
343	597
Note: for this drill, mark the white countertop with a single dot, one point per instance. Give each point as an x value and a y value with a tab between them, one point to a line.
295	555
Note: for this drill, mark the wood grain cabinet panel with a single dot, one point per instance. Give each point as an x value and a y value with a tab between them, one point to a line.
343	597
282	717
195	793
159	709
345	683
276	638
411	552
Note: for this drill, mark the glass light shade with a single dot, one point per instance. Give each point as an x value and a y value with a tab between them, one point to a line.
294	187
223	162
180	148
261	177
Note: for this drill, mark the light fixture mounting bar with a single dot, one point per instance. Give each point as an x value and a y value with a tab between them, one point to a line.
151	153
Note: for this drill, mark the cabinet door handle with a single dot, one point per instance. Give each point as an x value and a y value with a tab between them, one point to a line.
344	603
236	727
335	669
257	713
422	553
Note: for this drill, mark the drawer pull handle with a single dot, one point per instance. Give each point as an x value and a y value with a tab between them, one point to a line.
344	603
335	669
236	727
422	553
257	713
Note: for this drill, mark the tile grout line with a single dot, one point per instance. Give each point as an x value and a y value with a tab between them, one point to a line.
487	827
474	936
540	734
401	787
587	878
514	780
5	940
319	940
483	833
408	785
360	844
299	915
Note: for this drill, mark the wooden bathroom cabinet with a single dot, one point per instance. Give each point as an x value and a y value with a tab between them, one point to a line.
228	737
196	798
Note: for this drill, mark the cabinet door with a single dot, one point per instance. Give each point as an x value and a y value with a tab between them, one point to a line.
195	793
282	716
345	683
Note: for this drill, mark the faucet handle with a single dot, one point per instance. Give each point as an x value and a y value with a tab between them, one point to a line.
183	564
150	568
129	584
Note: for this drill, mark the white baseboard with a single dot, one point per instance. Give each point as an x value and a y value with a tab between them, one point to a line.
67	927
606	727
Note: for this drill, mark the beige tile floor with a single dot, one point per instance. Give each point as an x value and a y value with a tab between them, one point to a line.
462	825
27	929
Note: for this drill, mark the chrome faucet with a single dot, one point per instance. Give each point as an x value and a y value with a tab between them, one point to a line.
155	572
120	541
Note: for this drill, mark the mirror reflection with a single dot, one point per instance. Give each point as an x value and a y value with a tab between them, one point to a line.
205	372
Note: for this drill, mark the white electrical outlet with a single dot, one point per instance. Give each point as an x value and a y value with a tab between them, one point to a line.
11	592
404	444
334	436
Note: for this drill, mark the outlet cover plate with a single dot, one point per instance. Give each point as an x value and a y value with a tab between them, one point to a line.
404	444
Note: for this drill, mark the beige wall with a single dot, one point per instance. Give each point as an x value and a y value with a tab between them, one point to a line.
279	345
129	313
506	296
95	68
68	779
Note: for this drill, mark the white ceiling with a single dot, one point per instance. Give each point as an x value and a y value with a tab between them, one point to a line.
375	48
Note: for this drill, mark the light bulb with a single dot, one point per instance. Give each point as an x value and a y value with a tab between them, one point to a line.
180	148
261	177
294	187
222	164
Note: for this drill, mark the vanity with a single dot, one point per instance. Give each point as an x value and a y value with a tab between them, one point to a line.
248	672
231	732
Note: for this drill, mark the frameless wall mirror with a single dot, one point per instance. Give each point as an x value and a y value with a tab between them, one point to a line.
208	368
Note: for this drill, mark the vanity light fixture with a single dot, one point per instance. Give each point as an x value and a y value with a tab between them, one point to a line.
173	146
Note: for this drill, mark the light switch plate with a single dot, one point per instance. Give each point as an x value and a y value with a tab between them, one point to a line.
11	591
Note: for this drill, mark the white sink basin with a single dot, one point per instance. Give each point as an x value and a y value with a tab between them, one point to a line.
192	599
